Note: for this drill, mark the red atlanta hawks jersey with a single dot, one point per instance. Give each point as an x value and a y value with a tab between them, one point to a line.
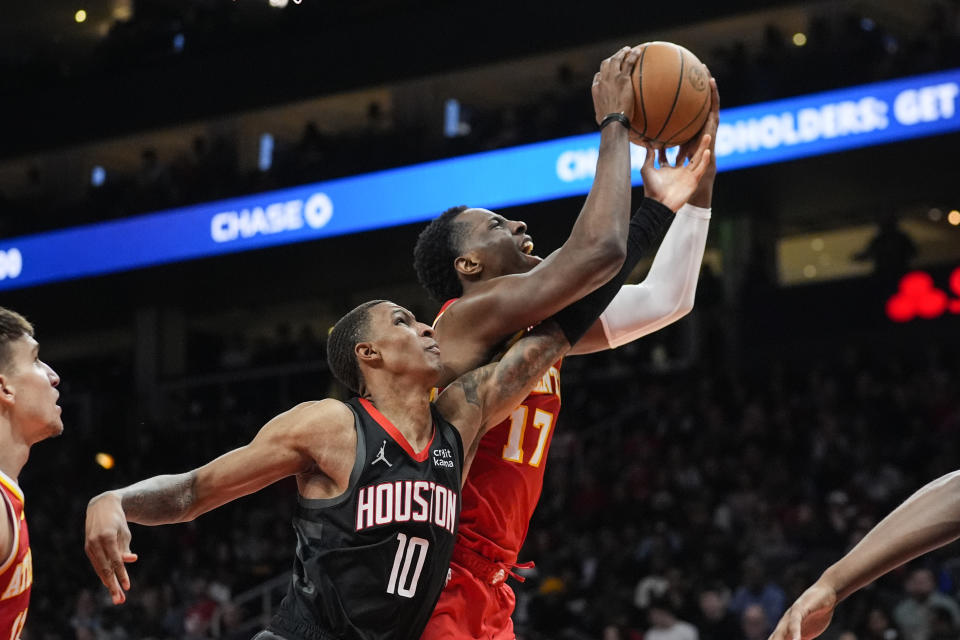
16	569
506	478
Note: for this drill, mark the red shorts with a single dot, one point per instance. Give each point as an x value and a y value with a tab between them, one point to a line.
472	608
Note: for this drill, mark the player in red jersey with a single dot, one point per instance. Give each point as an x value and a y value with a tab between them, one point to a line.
481	264
28	414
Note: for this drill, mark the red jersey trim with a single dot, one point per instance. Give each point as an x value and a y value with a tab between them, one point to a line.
443	309
394	433
10	512
11	484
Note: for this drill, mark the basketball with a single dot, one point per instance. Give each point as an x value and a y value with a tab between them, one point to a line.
672	92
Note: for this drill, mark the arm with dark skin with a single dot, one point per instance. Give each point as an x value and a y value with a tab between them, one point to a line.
312	437
592	254
596	338
472	328
927	520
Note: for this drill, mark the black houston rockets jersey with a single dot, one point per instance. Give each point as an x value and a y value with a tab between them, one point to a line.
372	562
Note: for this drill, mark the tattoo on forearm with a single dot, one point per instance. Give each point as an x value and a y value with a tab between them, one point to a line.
470	385
160	500
527	359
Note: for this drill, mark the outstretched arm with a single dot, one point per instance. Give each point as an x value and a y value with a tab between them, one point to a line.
929	519
667	294
592	254
664	296
465	349
279	450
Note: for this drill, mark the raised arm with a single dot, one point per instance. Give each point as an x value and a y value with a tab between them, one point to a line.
592	253
465	348
667	293
282	448
927	520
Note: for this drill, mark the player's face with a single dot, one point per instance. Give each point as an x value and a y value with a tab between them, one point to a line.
405	344
502	246
30	392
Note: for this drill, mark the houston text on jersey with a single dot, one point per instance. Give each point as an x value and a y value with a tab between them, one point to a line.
404	501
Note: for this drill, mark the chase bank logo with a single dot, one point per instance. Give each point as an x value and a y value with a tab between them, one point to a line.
11	263
275	217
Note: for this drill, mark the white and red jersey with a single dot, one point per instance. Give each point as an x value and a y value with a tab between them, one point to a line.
506	478
16	569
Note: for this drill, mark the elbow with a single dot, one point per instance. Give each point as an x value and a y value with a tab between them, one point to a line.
683	309
608	258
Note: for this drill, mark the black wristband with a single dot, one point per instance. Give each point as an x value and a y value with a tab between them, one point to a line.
615	117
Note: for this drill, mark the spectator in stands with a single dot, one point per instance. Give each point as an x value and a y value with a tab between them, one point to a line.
754	623
915	614
664	624
714	620
756	589
890	250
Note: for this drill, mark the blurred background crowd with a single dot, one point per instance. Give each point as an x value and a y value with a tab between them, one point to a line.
708	496
836	48
698	480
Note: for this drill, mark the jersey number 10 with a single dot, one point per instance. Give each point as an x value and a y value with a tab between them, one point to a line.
401	582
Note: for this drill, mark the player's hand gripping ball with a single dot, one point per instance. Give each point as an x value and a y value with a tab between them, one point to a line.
672	92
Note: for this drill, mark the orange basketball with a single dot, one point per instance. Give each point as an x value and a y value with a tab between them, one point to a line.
672	92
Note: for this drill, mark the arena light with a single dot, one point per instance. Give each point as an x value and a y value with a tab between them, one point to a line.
105	460
918	297
265	155
80	16
98	175
799	39
954	218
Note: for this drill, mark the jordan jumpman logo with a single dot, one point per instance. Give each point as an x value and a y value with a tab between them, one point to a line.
380	457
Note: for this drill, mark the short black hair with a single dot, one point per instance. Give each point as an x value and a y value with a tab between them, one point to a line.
346	333
438	246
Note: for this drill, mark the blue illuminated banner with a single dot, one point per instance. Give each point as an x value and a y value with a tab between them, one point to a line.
748	136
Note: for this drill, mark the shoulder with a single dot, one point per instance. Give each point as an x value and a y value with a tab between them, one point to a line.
475	306
325	418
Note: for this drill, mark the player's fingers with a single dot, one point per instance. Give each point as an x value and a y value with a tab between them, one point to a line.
702	168
714	96
702	155
630	61
603	68
648	152
662	157
102	564
794	626
122	576
618	58
115	568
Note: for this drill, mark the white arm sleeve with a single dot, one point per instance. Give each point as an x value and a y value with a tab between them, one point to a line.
667	293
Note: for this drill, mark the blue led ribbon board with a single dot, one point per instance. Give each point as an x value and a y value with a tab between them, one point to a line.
748	136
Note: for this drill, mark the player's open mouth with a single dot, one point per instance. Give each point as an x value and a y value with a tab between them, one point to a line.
527	247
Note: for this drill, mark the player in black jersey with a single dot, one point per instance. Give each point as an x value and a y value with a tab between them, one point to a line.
378	477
